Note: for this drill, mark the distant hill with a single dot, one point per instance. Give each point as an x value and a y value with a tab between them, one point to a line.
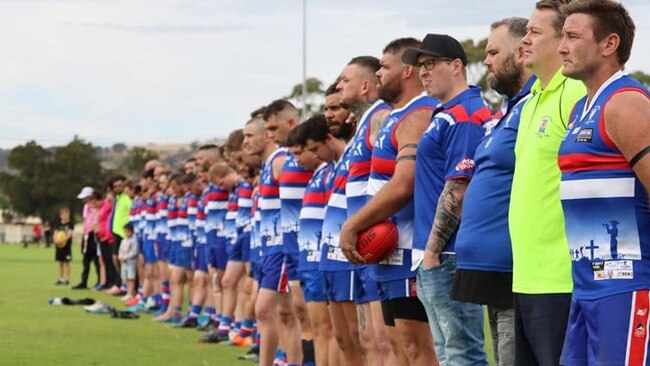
112	158
172	154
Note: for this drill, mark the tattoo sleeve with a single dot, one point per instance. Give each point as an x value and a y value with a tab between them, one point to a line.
377	121
448	213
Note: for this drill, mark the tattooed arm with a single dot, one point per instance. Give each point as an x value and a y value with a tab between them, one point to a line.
446	220
376	122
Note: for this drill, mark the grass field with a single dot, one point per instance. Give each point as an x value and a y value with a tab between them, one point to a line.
35	333
32	332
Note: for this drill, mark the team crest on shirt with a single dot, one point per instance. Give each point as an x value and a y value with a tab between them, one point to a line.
541	131
465	164
585	135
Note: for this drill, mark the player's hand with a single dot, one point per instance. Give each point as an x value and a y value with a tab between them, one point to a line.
348	241
430	260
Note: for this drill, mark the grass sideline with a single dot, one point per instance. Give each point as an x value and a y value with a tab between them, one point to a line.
32	332
35	333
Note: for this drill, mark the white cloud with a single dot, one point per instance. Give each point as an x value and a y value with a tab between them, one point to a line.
181	70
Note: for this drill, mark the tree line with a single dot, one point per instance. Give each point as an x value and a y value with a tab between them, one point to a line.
41	180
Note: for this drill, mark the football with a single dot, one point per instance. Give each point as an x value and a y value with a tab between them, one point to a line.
378	241
60	238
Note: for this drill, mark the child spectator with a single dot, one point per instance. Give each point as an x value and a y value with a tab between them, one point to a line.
128	256
63	242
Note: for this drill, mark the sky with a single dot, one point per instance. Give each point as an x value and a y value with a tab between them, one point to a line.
169	71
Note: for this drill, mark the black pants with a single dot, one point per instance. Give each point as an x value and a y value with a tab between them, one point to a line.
540	327
107	256
117	240
89	256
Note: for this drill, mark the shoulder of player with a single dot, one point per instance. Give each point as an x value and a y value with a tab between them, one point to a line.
418	119
627	105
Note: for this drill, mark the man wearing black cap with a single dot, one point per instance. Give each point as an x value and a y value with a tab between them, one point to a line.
443	167
390	192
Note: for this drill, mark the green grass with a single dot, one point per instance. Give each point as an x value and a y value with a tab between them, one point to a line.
35	333
32	332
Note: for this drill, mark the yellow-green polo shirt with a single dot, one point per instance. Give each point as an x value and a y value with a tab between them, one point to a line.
540	253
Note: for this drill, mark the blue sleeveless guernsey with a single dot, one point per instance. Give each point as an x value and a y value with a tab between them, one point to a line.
161	229
216	204
230	227
293	181
269	188
382	167
446	152
172	219
199	227
310	236
182	223
356	189
332	257
150	218
607	217
244	191
256	236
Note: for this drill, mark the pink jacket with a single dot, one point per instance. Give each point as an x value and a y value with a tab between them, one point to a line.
104	232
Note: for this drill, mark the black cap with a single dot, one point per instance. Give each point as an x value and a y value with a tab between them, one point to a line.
436	45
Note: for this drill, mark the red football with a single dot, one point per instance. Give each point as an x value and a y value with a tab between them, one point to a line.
378	241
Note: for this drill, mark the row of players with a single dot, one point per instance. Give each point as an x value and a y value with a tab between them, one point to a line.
406	152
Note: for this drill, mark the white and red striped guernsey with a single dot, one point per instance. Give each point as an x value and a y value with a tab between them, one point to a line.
382	167
356	188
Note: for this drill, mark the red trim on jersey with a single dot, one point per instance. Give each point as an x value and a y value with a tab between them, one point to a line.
315	198
601	121
216	196
580	162
383	166
269	191
295	177
638	332
360	168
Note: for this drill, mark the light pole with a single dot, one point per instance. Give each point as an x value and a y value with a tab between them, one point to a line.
304	59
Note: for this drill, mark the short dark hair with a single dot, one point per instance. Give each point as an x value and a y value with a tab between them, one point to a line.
554	5
397	46
314	128
277	106
259	112
367	62
128	226
235	140
148	173
176	178
189	178
607	17
332	88
96	195
208	147
293	138
191	160
516	26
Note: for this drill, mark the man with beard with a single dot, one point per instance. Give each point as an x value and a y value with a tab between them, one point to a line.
483	253
359	89
390	196
337	114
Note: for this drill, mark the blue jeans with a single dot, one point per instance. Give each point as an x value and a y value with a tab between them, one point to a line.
502	328
457	327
